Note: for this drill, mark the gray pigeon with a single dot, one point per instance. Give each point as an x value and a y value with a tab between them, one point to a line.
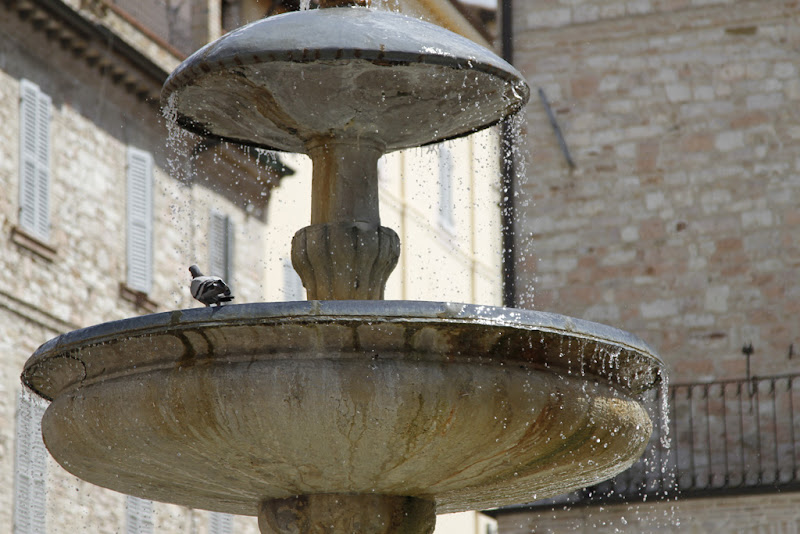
209	289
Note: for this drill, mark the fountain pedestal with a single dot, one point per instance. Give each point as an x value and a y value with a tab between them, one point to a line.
345	260
345	254
378	514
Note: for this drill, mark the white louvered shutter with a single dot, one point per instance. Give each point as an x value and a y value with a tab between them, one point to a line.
446	208
138	516
292	284
220	246
30	469
140	220
34	213
220	523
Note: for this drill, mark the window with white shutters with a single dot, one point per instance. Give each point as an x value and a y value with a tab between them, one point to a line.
30	469
138	516
140	220
34	143
292	284
220	523
446	207
220	246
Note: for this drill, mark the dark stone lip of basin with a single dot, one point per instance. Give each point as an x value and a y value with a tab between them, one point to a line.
50	356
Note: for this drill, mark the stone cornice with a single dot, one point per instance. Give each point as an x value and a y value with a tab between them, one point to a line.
34	314
475	21
655	23
115	45
452	16
91	32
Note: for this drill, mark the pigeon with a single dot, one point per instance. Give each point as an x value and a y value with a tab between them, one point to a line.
209	289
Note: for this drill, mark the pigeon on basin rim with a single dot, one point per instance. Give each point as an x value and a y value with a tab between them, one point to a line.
209	289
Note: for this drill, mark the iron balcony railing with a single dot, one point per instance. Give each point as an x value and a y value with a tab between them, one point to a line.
729	436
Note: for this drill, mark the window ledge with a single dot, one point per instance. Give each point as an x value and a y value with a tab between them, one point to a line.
448	227
33	244
138	298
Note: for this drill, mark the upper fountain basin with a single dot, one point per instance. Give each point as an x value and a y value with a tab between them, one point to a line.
284	81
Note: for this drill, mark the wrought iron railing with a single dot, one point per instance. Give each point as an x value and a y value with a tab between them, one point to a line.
729	436
745	435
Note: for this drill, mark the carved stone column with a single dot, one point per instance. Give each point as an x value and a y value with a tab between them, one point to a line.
337	513
345	254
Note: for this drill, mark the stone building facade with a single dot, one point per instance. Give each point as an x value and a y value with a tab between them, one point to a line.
103	208
679	221
738	514
671	209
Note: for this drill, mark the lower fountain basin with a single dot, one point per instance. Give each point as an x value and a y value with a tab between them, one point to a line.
224	408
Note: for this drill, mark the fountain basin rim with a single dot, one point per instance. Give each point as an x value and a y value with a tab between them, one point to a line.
437	315
181	75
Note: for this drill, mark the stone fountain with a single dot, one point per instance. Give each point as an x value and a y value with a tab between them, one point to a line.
345	413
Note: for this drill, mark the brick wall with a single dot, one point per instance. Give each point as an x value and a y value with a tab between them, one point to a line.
680	221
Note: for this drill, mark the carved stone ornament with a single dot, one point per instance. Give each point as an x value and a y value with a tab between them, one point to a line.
345	260
332	513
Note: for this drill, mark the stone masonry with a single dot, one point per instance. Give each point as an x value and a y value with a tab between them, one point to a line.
778	514
680	220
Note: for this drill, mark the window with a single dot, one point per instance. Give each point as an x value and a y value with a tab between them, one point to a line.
34	143
220	246
382	171
138	516
140	220
292	284
30	469
446	208
220	523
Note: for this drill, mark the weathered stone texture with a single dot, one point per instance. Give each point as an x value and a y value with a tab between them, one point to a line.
680	222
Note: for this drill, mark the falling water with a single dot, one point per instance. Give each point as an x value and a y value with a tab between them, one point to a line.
179	143
515	156
655	470
653	476
181	158
384	5
668	469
